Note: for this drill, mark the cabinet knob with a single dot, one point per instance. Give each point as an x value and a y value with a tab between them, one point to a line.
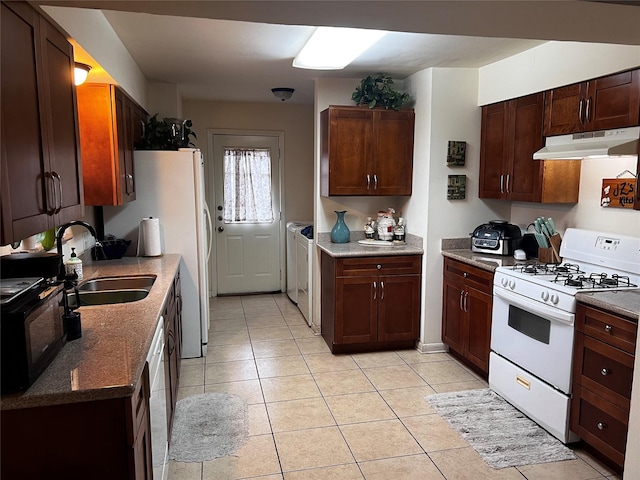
465	274
379	267
605	372
602	425
608	328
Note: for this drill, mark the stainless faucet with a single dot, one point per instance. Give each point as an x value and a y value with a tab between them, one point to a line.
61	230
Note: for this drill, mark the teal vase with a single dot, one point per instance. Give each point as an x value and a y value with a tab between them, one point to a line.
340	231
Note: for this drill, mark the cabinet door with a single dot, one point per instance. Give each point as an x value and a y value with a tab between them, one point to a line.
453	319
393	152
348	157
525	134
494	150
398	307
27	205
356	310
478	307
564	109
96	117
613	101
124	116
62	124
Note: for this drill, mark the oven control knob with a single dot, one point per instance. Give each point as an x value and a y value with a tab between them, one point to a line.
555	299
545	296
504	282
512	284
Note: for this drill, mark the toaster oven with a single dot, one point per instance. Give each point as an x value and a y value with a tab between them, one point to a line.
32	330
497	237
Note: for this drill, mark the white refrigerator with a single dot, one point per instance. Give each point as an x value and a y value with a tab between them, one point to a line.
170	187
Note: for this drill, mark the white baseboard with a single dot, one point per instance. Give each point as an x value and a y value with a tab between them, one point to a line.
431	347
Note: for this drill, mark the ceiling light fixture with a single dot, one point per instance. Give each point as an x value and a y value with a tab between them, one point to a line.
333	48
283	93
80	73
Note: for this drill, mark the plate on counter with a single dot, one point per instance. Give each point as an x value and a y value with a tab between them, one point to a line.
375	243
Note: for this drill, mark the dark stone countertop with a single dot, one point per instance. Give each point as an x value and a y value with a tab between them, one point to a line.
108	360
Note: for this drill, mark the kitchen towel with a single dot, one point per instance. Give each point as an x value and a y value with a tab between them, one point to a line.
149	244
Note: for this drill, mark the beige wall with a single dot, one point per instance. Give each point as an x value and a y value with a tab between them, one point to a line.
296	121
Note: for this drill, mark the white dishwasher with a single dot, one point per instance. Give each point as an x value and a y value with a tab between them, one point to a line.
158	405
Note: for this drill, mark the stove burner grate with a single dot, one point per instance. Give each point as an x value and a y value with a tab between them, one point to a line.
593	281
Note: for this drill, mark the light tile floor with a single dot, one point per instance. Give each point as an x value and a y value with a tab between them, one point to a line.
318	416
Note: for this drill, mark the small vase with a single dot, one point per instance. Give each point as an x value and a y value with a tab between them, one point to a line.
340	231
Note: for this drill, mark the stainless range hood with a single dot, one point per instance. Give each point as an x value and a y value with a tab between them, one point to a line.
623	141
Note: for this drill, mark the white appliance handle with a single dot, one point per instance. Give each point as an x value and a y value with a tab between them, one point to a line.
209	229
540	309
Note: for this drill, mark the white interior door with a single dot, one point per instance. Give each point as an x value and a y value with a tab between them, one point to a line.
247	251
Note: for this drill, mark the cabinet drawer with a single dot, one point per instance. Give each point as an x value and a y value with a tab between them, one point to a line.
481	280
600	424
393	265
604	369
607	327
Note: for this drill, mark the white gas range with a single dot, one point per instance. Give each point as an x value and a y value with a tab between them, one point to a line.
533	321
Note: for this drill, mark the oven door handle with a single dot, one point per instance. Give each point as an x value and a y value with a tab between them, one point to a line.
545	311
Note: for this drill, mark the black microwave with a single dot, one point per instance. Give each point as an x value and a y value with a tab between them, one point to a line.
32	333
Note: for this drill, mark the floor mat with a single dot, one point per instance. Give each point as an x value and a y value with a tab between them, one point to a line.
501	434
208	426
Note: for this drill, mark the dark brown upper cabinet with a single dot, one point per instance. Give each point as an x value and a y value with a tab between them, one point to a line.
600	104
366	151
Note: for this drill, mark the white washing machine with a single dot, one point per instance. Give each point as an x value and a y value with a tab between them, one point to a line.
292	282
304	274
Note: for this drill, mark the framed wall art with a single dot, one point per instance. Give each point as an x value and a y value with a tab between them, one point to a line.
457	187
456	153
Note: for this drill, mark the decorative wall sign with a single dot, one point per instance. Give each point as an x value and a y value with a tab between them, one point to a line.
617	192
456	153
457	187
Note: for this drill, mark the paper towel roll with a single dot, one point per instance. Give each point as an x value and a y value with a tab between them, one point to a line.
149	237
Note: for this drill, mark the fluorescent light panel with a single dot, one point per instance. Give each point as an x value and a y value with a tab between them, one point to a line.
332	48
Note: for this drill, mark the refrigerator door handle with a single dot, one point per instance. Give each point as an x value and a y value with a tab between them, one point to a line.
209	230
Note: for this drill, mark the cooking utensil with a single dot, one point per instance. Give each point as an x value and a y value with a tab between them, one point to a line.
552	225
542	240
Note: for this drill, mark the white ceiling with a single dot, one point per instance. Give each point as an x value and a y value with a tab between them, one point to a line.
235	60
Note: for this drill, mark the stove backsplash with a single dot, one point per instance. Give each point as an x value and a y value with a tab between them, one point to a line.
587	213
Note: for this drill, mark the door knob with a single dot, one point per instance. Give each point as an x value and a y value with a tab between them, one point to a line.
221	229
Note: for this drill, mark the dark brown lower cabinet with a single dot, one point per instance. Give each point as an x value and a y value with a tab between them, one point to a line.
173	347
604	355
103	439
370	303
466	313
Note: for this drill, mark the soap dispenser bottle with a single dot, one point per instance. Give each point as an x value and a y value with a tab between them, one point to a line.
74	265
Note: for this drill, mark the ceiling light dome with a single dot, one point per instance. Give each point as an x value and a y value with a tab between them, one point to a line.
283	93
80	73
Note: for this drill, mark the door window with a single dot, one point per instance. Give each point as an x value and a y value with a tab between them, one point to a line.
529	324
247	185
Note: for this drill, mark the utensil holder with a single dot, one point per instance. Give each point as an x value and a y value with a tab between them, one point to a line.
547	255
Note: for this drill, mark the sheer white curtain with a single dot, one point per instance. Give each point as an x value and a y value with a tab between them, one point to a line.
247	185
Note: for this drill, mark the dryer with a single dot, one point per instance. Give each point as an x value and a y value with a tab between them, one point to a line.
292	282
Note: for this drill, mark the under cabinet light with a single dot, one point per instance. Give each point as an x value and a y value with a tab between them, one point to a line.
333	48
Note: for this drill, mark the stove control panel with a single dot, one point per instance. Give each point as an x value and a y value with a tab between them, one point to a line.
606	243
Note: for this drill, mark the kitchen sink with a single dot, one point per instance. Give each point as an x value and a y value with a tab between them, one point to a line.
143	282
105	297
